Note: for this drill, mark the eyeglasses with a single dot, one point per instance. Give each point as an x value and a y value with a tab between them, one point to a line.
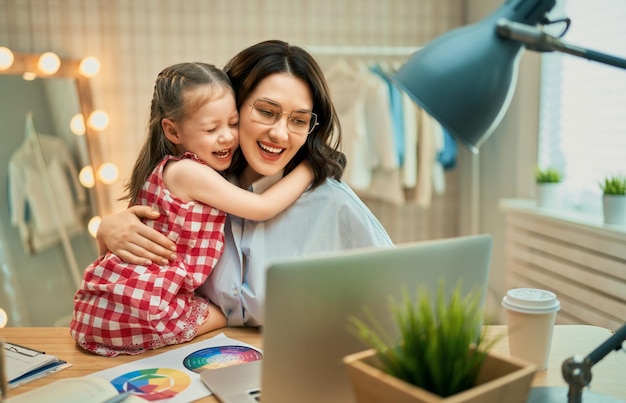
266	112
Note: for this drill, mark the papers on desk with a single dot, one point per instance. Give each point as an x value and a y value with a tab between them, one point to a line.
84	389
174	376
24	364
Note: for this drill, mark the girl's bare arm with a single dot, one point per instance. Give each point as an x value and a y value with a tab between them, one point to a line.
192	181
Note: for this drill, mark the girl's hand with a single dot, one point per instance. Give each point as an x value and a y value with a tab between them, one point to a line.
131	240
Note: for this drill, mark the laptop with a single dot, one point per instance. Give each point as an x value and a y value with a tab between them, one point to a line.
308	303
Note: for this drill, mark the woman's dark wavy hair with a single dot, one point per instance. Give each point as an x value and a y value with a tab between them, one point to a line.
172	99
322	148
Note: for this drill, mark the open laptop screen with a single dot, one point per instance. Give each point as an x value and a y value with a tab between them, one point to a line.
308	302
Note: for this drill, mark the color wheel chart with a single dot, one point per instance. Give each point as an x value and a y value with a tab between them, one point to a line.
174	376
219	357
153	383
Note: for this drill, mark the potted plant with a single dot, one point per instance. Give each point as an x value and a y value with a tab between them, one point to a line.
441	356
548	182
614	199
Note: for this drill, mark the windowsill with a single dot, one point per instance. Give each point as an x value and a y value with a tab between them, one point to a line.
588	221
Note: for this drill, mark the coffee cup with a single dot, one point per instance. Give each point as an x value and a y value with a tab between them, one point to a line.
530	318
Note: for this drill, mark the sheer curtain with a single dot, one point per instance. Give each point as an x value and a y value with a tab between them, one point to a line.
583	103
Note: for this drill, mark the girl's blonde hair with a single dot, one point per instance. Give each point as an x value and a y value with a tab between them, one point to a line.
172	99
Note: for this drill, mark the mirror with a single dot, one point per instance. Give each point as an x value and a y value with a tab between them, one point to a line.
44	210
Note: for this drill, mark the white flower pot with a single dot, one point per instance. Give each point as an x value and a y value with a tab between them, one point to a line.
614	209
549	195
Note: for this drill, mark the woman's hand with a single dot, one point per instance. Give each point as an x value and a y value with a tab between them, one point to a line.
131	240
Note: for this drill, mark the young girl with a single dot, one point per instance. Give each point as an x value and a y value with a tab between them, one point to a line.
193	133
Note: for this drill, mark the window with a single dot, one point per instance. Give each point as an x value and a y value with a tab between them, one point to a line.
583	103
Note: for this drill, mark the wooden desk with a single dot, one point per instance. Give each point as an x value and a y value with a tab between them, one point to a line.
609	375
57	341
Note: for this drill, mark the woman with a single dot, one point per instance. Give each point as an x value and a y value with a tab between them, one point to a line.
277	79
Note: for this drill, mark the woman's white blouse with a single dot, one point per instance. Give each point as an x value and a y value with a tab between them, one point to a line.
329	218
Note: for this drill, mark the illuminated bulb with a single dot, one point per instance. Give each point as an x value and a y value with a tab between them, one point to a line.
98	120
49	63
77	124
86	177
4	318
29	76
89	66
6	58
107	173
93	225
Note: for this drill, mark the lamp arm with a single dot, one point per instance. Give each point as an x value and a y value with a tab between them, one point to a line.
536	39
577	370
612	343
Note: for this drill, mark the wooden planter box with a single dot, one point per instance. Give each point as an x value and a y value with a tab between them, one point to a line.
501	380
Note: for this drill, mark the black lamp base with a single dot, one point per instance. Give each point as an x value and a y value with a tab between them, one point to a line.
556	394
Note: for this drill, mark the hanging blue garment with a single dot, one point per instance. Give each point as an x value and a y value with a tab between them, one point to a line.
397	110
448	156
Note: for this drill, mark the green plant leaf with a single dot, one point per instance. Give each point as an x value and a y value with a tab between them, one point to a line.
614	185
441	347
548	175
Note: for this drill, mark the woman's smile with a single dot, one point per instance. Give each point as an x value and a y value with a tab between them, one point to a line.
271	150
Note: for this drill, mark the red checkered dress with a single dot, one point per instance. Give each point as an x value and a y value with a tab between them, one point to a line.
126	308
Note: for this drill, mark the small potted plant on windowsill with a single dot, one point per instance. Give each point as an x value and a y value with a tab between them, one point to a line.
614	199
548	182
442	356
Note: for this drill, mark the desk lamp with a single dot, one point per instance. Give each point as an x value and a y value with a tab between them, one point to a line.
466	78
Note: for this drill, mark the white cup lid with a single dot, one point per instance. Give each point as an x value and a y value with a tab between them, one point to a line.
531	300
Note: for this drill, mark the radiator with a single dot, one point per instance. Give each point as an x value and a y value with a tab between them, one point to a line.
576	257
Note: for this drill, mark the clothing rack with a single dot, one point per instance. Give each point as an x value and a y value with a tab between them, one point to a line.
362	50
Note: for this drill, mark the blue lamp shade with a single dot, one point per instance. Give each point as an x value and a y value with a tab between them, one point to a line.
466	78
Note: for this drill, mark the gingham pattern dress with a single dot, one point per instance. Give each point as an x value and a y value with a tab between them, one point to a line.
126	308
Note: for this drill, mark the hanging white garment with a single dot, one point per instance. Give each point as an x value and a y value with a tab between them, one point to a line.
426	159
349	90
439	176
31	208
381	118
409	167
387	177
362	102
